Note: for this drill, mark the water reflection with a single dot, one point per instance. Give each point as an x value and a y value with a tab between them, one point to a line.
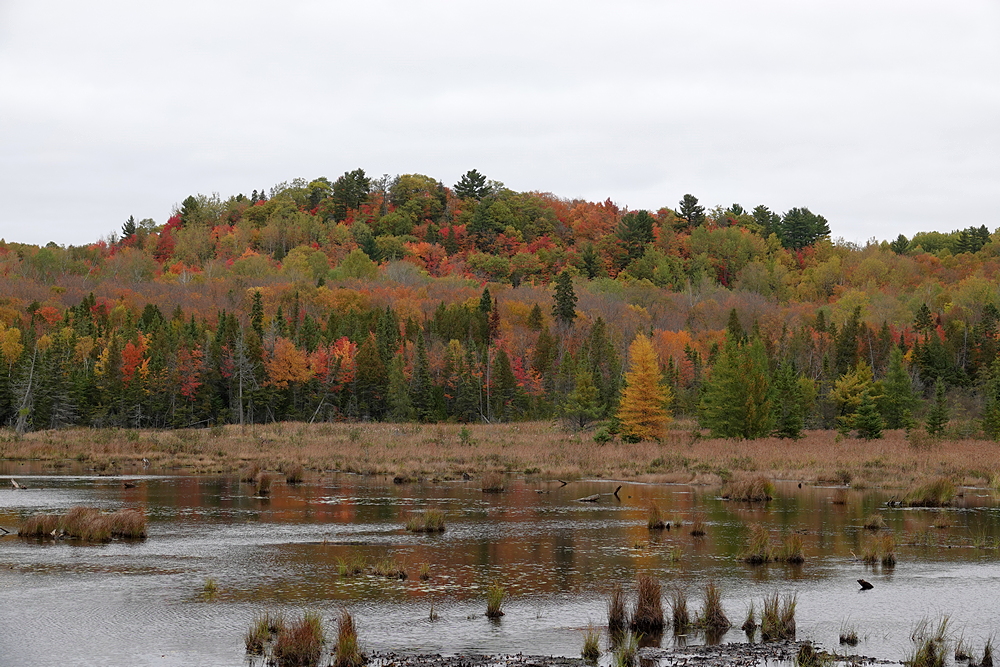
558	559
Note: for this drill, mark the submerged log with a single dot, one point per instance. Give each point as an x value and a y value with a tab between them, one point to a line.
590	499
865	586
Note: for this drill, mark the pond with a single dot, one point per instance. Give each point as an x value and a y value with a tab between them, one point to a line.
144	602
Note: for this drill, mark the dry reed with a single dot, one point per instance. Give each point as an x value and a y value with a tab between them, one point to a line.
757	549
299	644
777	620
713	618
87	524
750	622
647	617
492	482
295	474
617	614
875	521
749	489
679	616
654	520
347	652
431	521
791	550
935	493
698	526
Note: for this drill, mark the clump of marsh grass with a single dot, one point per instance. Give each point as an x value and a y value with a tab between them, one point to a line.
295	474
698	526
654	518
987	660
848	634
713	618
591	644
262	485
617	614
875	521
347	652
627	651
424	571
791	550
942	521
808	656
299	644
495	594
880	548
431	521
757	550
492	482
87	524
839	497
389	568
750	622
962	650
777	620
936	493
265	627
929	644
680	619
749	489
647	617
249	475
209	589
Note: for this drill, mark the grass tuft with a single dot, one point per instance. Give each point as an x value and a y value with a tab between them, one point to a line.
88	524
875	521
848	634
495	594
627	651
936	493
492	482
617	614
791	550
698	526
431	521
654	520
347	652
295	474
647	618
749	489
757	549
299	644
713	618
777	621
880	548
750	622
929	644
263	485
680	619
591	644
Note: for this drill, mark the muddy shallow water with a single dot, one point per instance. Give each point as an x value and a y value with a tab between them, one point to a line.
142	603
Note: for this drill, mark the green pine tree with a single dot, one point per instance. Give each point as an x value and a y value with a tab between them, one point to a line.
937	417
581	406
898	399
991	409
867	420
737	399
789	412
564	307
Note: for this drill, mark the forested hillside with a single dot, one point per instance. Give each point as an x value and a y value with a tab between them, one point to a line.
402	299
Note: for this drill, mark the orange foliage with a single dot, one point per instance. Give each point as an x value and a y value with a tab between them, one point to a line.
287	364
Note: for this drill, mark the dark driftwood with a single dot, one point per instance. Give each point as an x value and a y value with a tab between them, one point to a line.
865	585
597	496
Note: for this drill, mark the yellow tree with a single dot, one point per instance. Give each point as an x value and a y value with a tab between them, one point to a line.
643	411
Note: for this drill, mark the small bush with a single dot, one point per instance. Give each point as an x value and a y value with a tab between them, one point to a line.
647	618
495	594
751	489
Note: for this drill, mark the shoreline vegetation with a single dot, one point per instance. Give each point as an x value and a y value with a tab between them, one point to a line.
542	449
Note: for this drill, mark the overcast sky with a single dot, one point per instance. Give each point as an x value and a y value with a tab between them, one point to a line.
882	116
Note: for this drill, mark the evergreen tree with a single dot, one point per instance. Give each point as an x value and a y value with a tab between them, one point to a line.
634	232
937	416
789	412
592	264
398	394
867	420
257	314
472	185
564	307
349	192
422	386
371	380
581	407
734	330
898	398
801	228
991	407
924	321
129	228
643	411
506	397
535	319
737	399
691	211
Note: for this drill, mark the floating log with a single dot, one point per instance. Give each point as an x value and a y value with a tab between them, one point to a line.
19	487
865	586
590	499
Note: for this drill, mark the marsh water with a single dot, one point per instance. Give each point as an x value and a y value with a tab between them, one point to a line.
143	602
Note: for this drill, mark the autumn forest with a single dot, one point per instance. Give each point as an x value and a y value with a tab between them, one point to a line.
402	299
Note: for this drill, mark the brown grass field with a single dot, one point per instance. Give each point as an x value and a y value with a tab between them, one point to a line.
538	448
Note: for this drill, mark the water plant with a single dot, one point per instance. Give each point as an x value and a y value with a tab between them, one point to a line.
713	617
880	548
938	492
617	614
698	526
808	656
495	594
257	636
777	620
848	634
299	644
431	521
791	550
875	521
987	659
627	651
929	644
295	474
591	644
962	650
654	518
88	524
647	617
757	549
249	475
749	489
424	571
492	482
389	568
679	616
347	652
263	485
750	622
210	588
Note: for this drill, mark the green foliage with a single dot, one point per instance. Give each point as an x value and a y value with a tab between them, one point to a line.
789	402
937	416
564	305
898	399
867	420
737	401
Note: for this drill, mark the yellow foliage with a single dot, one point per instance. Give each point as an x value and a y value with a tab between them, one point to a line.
643	410
287	364
44	342
10	344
